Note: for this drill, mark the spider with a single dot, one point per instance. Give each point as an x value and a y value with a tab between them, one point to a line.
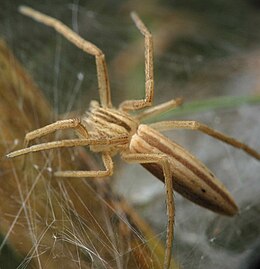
108	130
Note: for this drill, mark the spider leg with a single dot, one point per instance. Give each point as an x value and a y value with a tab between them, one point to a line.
159	109
149	81
88	47
108	163
68	143
195	125
161	160
58	125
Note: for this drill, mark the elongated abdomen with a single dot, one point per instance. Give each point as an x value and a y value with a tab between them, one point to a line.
191	178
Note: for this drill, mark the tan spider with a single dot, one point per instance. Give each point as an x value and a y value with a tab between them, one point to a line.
109	130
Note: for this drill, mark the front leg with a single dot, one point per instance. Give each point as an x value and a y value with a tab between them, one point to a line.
67	143
149	80
160	159
56	126
86	46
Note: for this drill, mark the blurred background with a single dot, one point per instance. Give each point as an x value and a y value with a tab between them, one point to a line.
207	52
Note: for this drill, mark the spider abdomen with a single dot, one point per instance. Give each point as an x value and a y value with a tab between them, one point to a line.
191	178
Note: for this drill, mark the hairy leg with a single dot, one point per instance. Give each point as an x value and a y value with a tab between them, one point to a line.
149	81
159	109
58	125
161	160
108	163
68	143
195	125
88	47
